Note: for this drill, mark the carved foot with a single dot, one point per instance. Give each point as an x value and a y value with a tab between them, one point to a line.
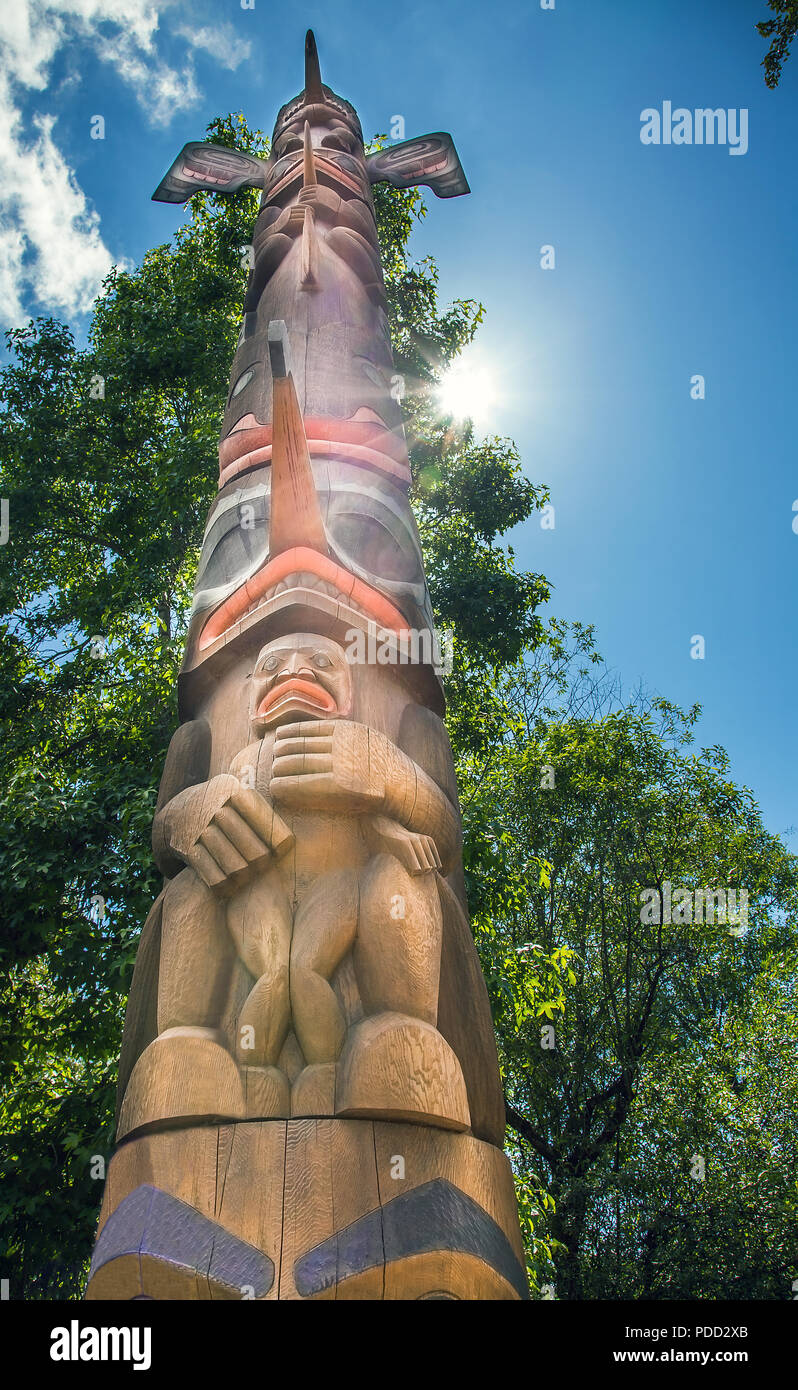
184	1072
398	1068
314	1090
267	1093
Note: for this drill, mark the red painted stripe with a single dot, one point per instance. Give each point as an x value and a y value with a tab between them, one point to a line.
301	558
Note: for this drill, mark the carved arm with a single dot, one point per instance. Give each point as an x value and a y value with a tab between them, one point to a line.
342	766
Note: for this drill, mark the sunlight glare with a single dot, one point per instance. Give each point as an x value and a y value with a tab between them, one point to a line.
468	390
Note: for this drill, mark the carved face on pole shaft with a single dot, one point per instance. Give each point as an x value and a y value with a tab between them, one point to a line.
301	676
312	515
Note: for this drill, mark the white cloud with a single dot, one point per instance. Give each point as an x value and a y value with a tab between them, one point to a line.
51	248
161	90
220	41
50	243
32	31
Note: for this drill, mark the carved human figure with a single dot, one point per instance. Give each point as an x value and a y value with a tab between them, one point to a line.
313	789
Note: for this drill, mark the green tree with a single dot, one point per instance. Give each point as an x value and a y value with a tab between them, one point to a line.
621	1038
109	465
781	31
703	1201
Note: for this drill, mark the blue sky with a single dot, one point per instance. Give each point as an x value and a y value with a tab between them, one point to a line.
673	515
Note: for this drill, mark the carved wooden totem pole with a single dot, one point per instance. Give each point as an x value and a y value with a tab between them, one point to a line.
309	1096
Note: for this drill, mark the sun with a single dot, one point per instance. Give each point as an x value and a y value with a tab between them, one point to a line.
468	390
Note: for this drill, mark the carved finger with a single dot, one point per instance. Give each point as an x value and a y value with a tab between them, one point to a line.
301	763
220	849
240	835
290	746
430	852
302	791
406	851
255	810
419	849
306	728
205	865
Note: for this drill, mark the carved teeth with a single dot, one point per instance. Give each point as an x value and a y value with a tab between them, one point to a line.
305	580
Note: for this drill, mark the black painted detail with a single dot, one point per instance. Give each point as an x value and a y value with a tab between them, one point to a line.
434	1216
152	1223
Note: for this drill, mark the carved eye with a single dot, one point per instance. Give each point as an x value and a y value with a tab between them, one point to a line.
338	140
374	547
244	380
289	143
345	161
236	543
321	659
271	663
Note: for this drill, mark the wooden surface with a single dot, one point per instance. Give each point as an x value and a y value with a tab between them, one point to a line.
343	1209
311	904
307	1012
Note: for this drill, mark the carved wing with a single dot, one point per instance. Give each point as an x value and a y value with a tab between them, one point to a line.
430	159
210	167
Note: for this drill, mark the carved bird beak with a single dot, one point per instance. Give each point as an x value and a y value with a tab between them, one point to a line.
296	518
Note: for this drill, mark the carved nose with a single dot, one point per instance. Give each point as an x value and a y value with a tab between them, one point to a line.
296	665
295	517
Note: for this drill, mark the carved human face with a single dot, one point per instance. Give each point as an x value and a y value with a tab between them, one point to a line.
301	676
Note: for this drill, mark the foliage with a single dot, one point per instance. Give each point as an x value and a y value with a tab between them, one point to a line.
628	1047
781	31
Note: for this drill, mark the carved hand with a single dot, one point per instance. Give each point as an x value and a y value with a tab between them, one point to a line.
328	765
416	852
224	830
323	201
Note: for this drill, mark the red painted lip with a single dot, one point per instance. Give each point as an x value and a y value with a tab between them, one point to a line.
370	443
309	690
302	559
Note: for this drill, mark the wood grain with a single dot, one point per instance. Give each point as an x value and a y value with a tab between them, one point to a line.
344	1209
307	1004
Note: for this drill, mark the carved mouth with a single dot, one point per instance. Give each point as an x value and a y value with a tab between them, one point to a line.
309	574
297	691
327	167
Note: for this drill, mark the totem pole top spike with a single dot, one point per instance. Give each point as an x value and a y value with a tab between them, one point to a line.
314	91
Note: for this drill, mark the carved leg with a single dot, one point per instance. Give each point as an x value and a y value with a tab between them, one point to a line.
188	1070
398	949
259	921
324	930
396	1064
